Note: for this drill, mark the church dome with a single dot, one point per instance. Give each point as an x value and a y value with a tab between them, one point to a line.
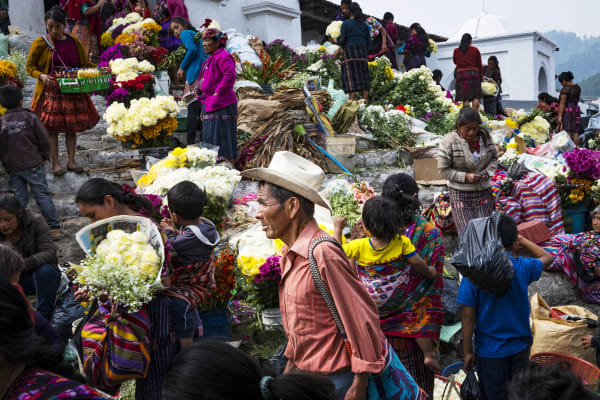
484	25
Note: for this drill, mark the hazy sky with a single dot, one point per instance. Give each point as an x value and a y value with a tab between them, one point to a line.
444	17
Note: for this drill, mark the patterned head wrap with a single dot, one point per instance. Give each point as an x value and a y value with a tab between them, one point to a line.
216	34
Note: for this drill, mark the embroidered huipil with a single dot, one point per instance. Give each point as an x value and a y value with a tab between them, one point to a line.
314	342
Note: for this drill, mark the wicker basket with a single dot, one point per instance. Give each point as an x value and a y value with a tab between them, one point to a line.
84	85
584	370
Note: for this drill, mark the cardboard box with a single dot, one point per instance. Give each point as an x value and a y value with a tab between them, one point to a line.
427	173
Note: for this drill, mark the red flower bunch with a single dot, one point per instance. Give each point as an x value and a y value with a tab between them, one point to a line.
224	279
137	83
158	55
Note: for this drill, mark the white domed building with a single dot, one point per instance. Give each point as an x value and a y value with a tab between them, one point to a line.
526	58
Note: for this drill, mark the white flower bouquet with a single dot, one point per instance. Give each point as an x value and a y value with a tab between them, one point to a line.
127	69
334	30
144	119
538	129
489	88
124	261
130	18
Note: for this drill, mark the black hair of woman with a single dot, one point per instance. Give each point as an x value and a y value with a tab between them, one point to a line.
547	382
403	190
11	262
468	115
346	2
420	32
566	76
383	218
494	59
95	190
388	16
19	344
356	12
547	98
185	24
10	203
465	42
57	14
216	370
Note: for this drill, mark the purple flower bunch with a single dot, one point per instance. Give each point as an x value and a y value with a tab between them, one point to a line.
300	58
155	200
327	56
278	43
112	53
269	271
118	95
118	30
165	212
583	163
110	20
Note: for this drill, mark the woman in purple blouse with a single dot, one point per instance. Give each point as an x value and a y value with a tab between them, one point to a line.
416	46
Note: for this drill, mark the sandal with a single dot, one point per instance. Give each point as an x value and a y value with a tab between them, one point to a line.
77	170
60	172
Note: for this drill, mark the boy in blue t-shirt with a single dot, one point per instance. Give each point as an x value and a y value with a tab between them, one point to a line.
501	324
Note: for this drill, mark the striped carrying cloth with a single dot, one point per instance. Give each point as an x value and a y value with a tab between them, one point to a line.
116	346
534	197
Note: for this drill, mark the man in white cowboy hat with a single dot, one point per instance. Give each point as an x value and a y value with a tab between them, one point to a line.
288	192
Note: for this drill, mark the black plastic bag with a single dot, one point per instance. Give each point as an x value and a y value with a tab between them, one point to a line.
66	311
451	306
470	389
481	257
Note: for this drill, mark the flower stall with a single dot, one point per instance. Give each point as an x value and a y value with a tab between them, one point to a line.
196	165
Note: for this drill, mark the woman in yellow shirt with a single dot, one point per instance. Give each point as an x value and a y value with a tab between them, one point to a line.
381	258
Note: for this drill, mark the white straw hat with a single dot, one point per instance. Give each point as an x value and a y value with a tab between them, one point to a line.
294	173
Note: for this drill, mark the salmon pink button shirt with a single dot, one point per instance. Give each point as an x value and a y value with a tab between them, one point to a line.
314	342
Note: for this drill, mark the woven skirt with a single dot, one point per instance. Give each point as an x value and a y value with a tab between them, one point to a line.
470	205
87	39
66	112
468	85
413	360
355	69
571	120
219	128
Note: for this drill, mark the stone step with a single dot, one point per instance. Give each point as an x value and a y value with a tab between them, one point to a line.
374	159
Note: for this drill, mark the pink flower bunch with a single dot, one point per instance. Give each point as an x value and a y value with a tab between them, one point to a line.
362	192
246	199
269	271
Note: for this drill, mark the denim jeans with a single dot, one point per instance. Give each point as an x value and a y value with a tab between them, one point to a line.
495	373
36	179
44	282
193	117
185	319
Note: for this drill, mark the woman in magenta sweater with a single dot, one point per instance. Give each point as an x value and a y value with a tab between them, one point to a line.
219	102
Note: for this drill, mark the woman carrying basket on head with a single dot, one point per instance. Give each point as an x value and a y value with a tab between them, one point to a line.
60	112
